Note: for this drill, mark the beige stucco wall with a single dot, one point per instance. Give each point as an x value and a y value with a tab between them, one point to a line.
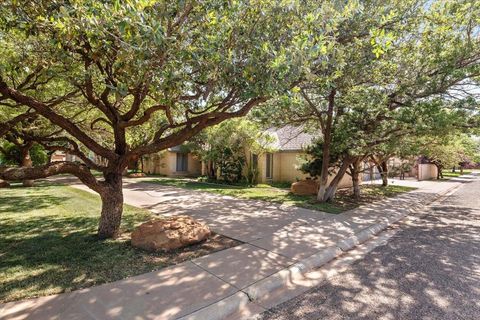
397	162
194	165
427	171
285	165
165	163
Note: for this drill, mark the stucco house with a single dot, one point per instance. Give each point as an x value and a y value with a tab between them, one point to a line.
176	161
282	164
420	168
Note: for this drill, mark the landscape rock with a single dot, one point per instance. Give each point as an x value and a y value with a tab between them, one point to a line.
169	233
305	187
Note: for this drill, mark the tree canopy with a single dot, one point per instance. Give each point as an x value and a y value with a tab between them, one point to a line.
116	80
121	80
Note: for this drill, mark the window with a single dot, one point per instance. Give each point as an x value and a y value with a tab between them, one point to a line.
182	162
269	166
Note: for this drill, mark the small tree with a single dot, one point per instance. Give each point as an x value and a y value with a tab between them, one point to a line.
227	146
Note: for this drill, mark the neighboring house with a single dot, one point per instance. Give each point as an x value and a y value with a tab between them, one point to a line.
417	167
62	156
176	161
58	156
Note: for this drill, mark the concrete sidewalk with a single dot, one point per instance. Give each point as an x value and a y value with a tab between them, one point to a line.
279	241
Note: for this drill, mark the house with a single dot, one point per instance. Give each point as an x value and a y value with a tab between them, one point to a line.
417	167
176	161
282	165
59	156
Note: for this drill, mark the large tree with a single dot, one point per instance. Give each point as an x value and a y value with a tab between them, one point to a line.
125	79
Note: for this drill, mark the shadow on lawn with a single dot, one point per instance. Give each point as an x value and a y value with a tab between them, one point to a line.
42	252
22	204
47	255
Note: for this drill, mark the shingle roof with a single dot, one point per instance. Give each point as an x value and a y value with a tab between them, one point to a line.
290	138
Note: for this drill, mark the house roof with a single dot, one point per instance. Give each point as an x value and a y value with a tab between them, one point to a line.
181	148
290	138
175	148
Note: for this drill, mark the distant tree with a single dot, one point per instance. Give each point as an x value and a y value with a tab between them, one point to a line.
19	144
449	152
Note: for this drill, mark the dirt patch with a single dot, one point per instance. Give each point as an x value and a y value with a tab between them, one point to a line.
215	243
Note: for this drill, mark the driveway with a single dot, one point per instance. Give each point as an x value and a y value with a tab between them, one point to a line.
241	219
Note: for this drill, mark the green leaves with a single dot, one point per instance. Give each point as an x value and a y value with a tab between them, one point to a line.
381	41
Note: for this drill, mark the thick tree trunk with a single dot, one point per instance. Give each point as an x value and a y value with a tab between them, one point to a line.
333	186
27	163
439	172
112	206
356	185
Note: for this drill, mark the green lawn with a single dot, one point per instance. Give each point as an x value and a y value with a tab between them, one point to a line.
48	243
264	192
450	174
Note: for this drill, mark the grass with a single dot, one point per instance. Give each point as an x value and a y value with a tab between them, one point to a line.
48	243
344	200
449	174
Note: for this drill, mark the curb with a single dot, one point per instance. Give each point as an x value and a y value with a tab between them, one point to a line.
286	278
220	309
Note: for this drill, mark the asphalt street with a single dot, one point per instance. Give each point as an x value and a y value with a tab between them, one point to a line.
430	269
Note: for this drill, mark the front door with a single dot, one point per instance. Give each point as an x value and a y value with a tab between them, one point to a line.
182	162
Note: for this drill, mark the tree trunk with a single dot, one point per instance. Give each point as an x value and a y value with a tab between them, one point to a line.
112	206
327	140
333	186
355	172
383	168
439	172
27	163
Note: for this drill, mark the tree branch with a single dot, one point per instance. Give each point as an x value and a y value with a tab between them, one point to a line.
56	118
32	173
